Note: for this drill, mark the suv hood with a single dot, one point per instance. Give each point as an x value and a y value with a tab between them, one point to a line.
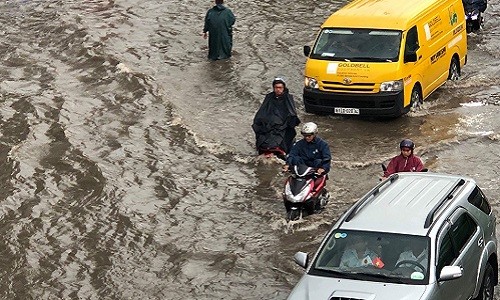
326	288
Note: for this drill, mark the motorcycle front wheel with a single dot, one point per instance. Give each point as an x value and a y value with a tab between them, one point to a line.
293	214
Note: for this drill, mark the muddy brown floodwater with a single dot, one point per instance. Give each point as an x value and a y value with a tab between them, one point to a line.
127	168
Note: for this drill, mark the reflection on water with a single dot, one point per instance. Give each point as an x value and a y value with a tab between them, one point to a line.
127	168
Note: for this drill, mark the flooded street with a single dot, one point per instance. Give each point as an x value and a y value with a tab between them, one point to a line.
127	162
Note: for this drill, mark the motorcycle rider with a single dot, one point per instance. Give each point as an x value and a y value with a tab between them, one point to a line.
314	152
275	121
407	161
311	151
473	10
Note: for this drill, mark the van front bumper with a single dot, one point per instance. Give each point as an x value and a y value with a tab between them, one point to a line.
386	104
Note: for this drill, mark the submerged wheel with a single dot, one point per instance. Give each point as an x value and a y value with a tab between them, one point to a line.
454	72
416	98
486	291
293	214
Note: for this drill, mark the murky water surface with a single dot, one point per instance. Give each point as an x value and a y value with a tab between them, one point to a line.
127	168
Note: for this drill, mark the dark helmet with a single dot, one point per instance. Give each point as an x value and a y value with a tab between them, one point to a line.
279	80
406	143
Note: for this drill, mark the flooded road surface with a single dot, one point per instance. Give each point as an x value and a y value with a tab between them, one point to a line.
127	161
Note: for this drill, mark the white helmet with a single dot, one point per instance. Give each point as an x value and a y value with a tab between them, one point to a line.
309	128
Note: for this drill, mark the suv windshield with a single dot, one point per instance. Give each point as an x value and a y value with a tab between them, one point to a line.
375	256
358	45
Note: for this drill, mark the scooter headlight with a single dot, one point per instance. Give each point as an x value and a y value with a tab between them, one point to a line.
311	83
392	86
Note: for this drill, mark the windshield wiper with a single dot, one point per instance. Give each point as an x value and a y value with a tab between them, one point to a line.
329	271
368	58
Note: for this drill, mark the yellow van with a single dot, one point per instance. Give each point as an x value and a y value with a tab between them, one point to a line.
384	57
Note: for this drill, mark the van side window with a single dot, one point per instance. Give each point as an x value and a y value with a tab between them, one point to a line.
412	40
478	199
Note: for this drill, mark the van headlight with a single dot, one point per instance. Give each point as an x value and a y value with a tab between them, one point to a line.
311	83
392	86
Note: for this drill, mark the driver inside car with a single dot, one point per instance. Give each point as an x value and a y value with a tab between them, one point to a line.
414	256
360	253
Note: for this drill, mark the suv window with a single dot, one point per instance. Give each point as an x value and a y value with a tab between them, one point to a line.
455	240
446	253
462	231
478	199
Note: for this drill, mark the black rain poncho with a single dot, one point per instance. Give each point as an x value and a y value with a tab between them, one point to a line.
470	5
219	23
275	121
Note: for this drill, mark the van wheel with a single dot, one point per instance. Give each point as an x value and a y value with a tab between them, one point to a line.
454	72
416	98
486	291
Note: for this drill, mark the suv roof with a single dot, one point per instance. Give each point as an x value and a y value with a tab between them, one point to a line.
406	203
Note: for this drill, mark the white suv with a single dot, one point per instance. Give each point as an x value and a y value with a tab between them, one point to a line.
413	236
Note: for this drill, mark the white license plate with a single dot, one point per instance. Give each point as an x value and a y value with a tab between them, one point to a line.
346	111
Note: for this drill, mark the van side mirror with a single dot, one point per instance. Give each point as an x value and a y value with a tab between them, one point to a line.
301	258
410	56
307	50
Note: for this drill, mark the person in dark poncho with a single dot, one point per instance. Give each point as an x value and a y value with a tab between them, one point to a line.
275	121
219	22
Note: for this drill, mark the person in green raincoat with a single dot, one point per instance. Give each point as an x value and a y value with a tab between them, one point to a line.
219	23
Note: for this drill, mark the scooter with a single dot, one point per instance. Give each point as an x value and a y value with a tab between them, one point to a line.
304	192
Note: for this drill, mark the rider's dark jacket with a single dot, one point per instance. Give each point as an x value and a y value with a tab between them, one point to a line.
401	164
314	154
275	121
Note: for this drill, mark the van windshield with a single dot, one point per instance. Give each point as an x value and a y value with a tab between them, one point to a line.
374	256
347	44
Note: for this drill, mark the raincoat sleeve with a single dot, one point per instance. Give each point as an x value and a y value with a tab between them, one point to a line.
230	18
205	26
419	165
391	167
292	120
258	125
327	156
293	156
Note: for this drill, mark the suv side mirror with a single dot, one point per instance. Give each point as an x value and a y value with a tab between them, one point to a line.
450	273
301	258
307	50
